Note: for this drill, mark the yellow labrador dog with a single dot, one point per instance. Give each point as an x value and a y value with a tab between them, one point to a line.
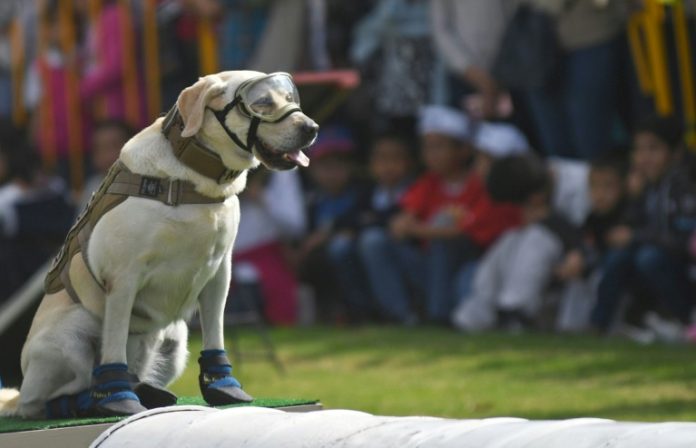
153	245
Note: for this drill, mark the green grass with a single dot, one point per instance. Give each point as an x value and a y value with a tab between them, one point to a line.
432	371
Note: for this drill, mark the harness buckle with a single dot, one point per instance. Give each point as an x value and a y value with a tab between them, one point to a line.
173	193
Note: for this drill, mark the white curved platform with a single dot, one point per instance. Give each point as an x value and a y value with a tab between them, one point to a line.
249	427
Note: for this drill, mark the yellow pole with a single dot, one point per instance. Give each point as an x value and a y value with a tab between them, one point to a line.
686	72
130	75
152	68
17	72
46	122
69	47
207	47
658	60
639	53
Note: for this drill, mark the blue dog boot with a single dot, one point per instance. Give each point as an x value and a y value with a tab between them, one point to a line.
218	386
111	391
70	406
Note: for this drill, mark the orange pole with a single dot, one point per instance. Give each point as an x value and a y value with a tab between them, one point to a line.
207	47
130	75
47	126
152	68
686	72
69	47
19	112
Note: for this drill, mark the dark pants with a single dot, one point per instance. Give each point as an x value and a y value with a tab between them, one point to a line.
646	265
392	266
574	117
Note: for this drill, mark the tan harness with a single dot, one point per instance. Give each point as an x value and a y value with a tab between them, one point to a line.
120	183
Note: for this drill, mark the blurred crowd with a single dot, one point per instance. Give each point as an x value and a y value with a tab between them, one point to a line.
511	164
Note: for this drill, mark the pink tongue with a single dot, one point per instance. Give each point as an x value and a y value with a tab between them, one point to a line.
298	157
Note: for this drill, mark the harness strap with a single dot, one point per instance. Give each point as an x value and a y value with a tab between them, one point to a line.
169	191
193	153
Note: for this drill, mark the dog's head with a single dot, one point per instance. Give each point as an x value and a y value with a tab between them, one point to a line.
223	109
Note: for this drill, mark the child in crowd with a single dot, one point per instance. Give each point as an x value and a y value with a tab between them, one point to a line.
391	167
510	281
607	203
333	197
108	138
652	250
607	199
492	141
446	218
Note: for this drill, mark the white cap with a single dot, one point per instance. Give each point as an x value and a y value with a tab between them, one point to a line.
500	139
444	120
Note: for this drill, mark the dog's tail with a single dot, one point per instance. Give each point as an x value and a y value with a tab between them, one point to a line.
9	402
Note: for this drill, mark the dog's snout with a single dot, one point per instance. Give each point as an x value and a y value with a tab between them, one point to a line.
311	129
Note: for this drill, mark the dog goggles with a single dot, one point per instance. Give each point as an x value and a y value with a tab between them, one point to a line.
270	98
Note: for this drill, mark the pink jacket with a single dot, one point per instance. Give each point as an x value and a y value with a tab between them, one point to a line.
103	76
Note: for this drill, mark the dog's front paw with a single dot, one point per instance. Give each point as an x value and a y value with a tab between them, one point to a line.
111	392
218	386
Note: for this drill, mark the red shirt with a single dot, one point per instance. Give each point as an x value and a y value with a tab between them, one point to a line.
480	218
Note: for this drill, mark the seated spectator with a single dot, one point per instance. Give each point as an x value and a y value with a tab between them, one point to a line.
34	218
391	168
108	138
446	219
607	195
512	277
332	198
272	214
652	250
607	205
492	142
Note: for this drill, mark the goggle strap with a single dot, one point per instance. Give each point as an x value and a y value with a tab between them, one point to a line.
222	114
229	106
251	136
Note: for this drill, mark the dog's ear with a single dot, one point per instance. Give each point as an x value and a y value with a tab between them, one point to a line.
193	100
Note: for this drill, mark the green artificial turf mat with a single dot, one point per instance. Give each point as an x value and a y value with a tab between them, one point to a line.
19	424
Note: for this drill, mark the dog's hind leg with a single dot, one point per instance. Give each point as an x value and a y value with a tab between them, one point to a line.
217	384
57	362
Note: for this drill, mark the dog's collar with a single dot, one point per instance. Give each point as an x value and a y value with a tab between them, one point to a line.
193	153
